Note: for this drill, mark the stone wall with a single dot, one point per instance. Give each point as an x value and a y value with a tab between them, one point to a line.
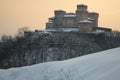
85	28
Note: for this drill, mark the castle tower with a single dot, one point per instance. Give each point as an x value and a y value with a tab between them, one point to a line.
69	20
94	16
85	26
50	23
81	12
58	20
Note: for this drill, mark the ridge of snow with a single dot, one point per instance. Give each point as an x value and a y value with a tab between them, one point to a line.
63	29
59	10
94	12
98	66
52	17
85	21
90	18
69	15
82	5
28	31
50	22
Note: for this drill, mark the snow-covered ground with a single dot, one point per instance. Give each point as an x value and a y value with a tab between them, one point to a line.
103	65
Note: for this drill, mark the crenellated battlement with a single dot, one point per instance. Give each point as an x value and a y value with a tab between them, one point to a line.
77	20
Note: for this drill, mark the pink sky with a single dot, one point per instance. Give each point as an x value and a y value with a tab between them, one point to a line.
34	13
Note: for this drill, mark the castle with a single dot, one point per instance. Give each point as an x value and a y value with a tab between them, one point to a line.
81	21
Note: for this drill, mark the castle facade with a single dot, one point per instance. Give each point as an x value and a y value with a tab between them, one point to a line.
82	20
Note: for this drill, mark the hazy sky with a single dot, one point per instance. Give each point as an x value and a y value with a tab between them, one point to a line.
34	13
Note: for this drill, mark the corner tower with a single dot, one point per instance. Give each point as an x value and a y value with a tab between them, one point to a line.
81	12
94	16
58	20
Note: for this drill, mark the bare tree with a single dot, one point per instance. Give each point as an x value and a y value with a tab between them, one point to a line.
20	32
5	38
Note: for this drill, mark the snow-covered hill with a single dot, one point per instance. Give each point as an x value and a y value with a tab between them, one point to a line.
103	65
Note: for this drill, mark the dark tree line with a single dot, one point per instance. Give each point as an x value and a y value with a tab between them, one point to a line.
38	47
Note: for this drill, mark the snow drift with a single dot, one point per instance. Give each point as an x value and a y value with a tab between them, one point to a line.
103	65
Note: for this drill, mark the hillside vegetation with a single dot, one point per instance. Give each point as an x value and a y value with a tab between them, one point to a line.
40	47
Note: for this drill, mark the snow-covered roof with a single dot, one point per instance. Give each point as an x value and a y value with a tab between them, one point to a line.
43	32
50	22
93	12
98	66
70	15
59	10
81	5
98	31
90	18
85	21
52	17
28	31
64	29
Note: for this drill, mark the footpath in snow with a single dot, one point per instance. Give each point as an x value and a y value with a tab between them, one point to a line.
103	65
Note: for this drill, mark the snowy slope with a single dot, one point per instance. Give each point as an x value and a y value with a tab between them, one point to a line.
98	66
